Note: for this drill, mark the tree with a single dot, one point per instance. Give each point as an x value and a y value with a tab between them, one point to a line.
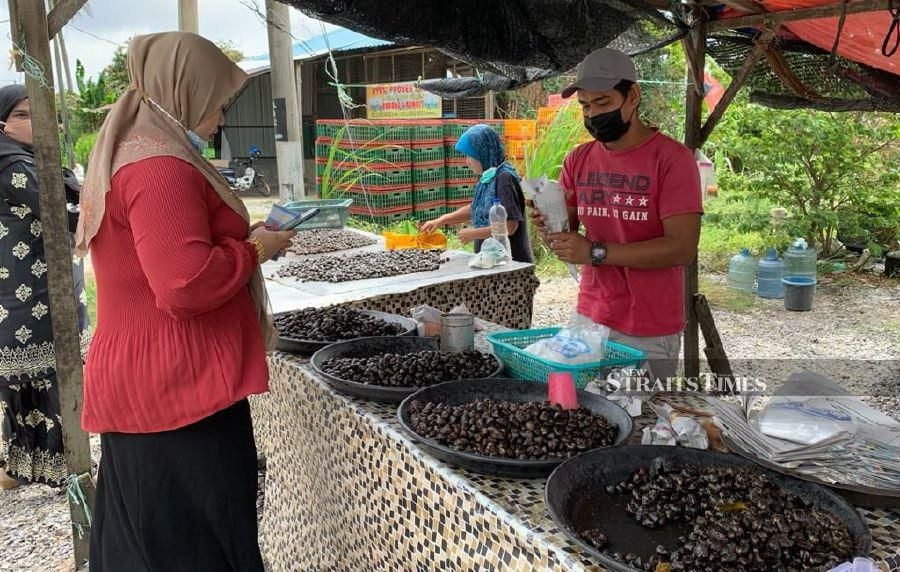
828	169
87	105
231	50
116	73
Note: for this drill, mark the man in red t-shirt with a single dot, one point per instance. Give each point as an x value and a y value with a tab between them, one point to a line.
636	192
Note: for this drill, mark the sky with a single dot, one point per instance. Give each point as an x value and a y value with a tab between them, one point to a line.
94	33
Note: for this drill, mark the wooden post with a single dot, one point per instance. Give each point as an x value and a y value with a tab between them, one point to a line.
54	218
695	49
714	350
63	105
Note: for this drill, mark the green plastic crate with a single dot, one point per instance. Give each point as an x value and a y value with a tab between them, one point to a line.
432	174
509	347
381	199
454	128
429	193
460	191
459	173
433	131
333	213
364	132
429	212
451	154
383	218
394	177
397	133
430	154
328	128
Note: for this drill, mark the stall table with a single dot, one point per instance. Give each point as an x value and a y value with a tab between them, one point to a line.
347	489
502	295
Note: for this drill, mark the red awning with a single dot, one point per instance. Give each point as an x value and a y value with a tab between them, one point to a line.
861	38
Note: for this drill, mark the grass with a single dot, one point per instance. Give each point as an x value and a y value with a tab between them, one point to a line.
90	290
721	297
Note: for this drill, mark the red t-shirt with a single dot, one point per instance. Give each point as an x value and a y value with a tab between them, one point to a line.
623	197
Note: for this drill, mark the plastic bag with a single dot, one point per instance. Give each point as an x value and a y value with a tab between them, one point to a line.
581	341
492	254
802	421
429	320
549	198
394	240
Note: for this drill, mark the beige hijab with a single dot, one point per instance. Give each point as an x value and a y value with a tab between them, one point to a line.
189	78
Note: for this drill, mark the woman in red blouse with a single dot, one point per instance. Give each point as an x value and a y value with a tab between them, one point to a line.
182	322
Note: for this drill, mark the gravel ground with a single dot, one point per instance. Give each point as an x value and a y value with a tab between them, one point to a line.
860	322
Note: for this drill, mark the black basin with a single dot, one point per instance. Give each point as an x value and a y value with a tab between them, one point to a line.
576	498
366	347
502	389
309	347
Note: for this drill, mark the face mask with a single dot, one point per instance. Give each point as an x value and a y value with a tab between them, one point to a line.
199	143
607	127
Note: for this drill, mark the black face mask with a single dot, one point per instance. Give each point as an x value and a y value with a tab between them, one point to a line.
607	127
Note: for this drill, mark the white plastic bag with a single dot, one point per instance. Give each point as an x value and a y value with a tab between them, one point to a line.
803	421
581	341
429	320
549	198
492	254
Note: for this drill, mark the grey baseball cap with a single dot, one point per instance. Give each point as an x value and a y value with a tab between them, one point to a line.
601	70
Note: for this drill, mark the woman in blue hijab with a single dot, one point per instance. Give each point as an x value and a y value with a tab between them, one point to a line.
497	179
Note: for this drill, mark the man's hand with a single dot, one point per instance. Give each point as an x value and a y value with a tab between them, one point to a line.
570	247
538	220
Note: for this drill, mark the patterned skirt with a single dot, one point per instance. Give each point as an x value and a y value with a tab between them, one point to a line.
31	446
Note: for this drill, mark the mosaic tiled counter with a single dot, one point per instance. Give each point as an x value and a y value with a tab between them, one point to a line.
502	295
346	489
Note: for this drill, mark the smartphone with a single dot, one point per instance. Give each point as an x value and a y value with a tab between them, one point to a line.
299	219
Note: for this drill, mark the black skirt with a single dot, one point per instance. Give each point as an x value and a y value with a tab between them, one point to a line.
179	500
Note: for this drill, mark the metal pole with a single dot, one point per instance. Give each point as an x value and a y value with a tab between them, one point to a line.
285	101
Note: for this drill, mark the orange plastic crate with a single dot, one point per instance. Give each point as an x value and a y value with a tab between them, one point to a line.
519	128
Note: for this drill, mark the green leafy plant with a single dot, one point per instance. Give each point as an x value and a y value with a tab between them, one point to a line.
827	170
83	148
545	155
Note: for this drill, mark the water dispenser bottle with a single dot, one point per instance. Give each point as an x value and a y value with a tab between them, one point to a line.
769	274
742	271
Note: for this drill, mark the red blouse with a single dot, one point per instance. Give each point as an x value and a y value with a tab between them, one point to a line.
177	337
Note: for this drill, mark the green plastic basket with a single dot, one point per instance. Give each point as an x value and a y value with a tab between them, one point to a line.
382	218
390	176
458	191
509	347
428	154
428	175
429	193
381	199
425	213
460	173
428	131
333	213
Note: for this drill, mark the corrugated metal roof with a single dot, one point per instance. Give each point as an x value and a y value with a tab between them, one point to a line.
340	39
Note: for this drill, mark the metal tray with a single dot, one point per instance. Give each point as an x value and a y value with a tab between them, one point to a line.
364	347
309	347
576	499
502	389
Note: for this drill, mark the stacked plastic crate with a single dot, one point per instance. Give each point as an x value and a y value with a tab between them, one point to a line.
461	180
519	134
380	158
429	192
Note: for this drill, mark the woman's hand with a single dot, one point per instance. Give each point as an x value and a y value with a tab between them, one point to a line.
273	241
432	225
467	235
257	224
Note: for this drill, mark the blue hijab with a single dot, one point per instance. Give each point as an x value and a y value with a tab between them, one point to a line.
482	143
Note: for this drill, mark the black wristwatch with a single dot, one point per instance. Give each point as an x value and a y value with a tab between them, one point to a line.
598	253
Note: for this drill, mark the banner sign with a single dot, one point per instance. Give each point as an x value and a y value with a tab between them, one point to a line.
401	101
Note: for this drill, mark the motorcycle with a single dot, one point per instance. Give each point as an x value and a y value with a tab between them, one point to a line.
250	179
